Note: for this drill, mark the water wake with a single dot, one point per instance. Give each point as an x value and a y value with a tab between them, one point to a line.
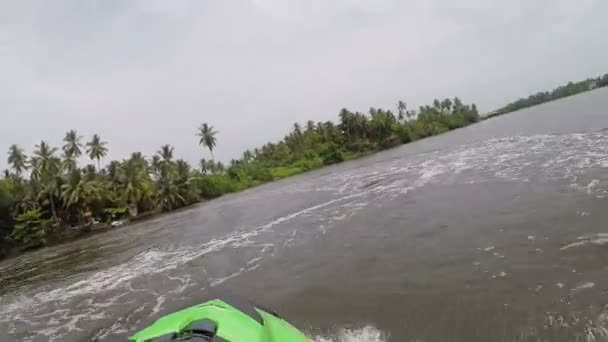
579	160
365	334
592	239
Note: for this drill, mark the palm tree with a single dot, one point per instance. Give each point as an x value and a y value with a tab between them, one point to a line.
113	170
45	157
297	129
35	175
17	159
72	145
346	118
310	126
456	105
78	192
381	125
436	104
134	184
69	163
48	170
166	164
138	156
446	105
183	178
168	195
96	149
139	159
155	165
182	169
71	150
330	133
360	125
402	110
207	137
26	196
166	153
90	172
247	156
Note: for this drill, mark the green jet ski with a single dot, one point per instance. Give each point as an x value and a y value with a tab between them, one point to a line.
221	320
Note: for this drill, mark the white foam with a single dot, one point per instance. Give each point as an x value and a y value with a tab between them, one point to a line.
592	239
152	262
592	185
583	286
253	261
160	300
498	255
549	157
218	281
366	334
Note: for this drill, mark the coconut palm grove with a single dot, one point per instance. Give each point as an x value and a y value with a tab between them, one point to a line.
50	196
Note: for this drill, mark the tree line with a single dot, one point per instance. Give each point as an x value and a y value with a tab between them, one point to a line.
569	89
48	195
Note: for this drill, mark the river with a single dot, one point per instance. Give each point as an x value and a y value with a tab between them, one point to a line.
494	232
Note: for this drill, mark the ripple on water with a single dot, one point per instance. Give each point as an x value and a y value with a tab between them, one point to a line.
577	326
568	157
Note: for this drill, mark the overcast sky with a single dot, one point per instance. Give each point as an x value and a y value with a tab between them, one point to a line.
145	73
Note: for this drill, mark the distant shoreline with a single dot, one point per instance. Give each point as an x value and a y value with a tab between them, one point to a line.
563	91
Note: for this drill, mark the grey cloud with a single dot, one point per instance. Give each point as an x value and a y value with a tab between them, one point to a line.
145	73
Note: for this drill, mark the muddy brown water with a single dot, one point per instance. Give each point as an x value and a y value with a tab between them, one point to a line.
495	232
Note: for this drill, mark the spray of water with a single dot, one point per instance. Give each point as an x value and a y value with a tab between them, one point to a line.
365	334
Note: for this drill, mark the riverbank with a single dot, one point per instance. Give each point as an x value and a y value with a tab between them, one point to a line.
161	184
72	234
69	235
279	173
59	193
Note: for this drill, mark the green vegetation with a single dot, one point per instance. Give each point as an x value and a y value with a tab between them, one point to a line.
6	215
572	88
30	229
43	195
